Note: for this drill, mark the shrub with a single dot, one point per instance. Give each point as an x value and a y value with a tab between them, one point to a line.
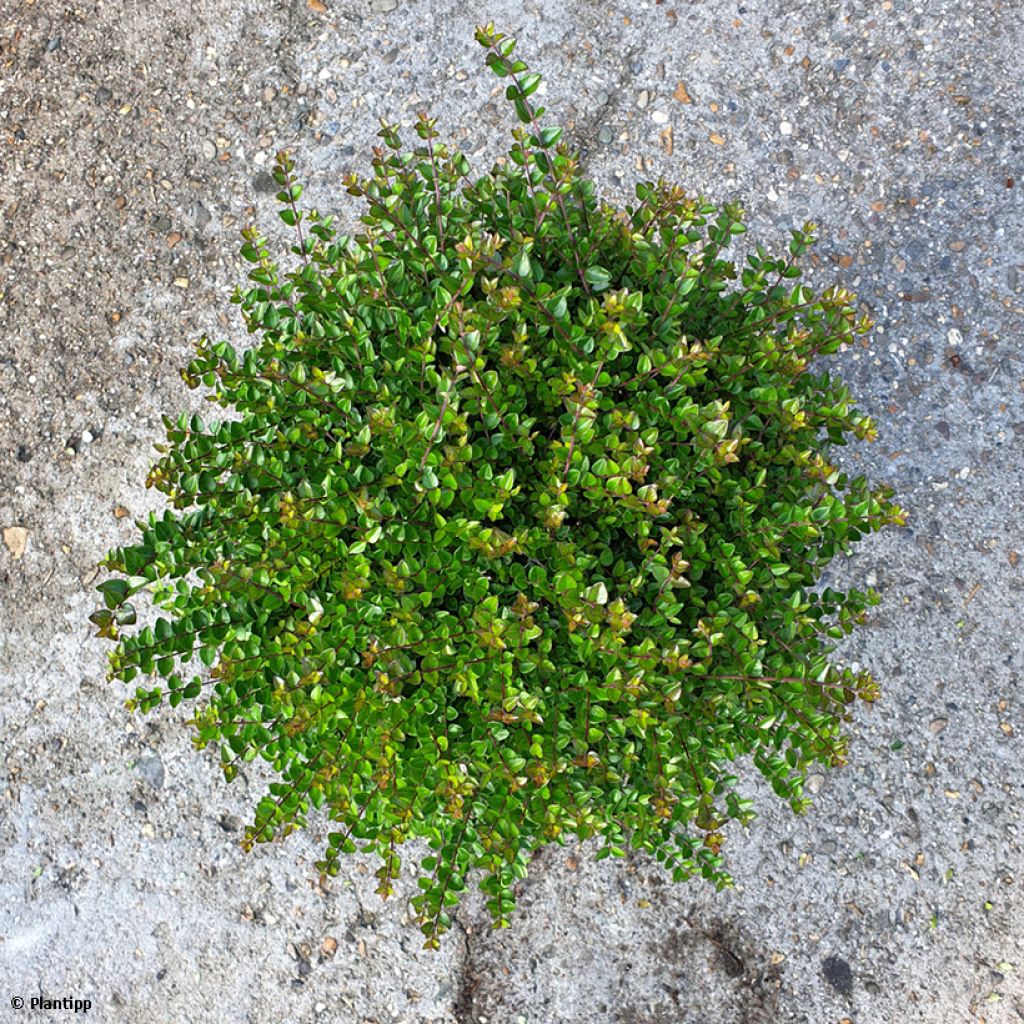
518	530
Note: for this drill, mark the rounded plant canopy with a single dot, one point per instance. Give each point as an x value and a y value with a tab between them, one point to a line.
516	525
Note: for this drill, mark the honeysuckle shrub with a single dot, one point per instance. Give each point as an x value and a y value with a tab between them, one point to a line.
516	528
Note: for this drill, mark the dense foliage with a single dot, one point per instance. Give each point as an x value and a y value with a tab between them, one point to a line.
517	527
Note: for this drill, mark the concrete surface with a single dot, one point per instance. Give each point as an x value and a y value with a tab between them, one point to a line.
133	142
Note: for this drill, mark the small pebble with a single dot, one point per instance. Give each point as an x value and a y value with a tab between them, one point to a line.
201	215
264	183
682	94
659	117
605	135
383	6
209	149
838	974
152	771
786	128
16	540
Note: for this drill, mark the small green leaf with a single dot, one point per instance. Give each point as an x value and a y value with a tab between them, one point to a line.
114	592
529	83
